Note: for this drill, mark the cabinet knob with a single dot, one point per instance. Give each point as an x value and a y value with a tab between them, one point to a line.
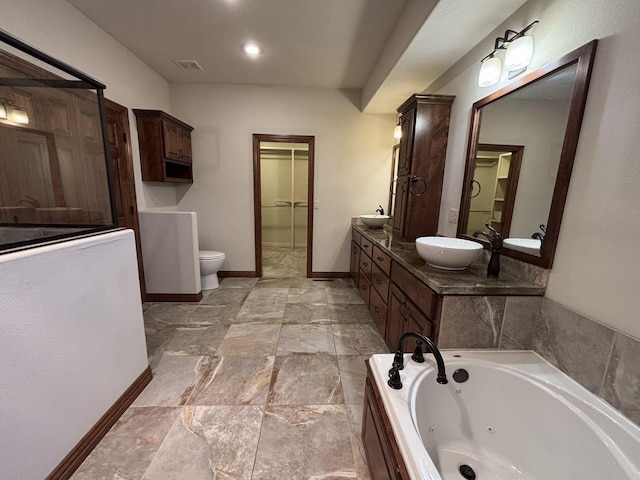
365	264
378	281
380	259
376	309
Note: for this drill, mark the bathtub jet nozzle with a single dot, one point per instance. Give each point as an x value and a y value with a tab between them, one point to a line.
398	359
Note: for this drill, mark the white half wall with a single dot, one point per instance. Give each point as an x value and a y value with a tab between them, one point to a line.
60	30
72	343
170	250
593	270
352	163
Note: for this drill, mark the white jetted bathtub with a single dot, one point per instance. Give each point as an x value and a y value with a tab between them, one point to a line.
516	417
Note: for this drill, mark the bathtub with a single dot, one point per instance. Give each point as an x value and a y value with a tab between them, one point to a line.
516	417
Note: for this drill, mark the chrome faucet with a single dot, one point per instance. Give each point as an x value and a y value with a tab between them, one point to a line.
380	210
398	359
495	244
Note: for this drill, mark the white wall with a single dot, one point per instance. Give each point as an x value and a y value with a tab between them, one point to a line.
352	163
593	272
72	343
169	241
60	30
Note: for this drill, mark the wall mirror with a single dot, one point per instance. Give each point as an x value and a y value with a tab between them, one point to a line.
522	144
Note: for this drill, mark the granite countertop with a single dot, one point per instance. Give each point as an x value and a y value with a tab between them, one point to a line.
471	281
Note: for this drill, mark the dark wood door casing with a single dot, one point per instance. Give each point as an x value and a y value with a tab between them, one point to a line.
123	181
257	193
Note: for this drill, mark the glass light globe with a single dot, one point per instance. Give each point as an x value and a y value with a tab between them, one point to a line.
490	71
518	54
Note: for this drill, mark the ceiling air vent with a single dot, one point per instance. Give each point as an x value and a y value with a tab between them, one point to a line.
188	65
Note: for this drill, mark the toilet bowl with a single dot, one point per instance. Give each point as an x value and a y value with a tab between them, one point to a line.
210	263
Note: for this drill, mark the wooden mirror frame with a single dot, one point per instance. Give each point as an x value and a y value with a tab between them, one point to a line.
583	57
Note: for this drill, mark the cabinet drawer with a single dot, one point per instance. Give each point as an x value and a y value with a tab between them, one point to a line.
380	282
418	292
365	263
378	309
355	236
364	286
366	246
382	260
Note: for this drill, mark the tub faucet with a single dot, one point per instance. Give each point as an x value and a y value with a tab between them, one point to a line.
398	359
380	210
495	244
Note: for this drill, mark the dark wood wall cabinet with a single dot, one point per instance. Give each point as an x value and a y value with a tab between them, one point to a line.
165	147
424	120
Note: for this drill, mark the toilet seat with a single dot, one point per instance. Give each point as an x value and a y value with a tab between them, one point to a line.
210	255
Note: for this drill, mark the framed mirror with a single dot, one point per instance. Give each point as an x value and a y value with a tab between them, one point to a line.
522	144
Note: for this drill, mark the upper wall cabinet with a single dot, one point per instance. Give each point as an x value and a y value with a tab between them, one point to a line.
424	120
165	147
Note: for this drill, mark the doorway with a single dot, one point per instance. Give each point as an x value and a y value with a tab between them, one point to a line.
283	168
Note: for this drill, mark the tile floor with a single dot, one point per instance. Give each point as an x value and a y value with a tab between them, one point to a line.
284	262
263	379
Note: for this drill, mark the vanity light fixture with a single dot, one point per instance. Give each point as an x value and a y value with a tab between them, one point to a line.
490	70
18	115
252	49
397	132
519	49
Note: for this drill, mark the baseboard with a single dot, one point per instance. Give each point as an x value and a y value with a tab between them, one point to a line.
84	447
174	297
238	273
330	274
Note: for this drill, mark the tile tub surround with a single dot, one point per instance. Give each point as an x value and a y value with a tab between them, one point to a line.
604	361
240	394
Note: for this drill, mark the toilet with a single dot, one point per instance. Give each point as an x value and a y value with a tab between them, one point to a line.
210	263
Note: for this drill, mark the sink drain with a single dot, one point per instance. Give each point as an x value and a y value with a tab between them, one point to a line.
467	472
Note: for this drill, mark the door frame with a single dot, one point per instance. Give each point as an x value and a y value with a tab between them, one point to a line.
257	193
120	115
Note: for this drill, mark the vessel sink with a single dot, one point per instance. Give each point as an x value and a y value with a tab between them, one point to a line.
526	245
448	253
374	221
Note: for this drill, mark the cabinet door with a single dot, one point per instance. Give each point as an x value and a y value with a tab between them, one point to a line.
378	309
184	145
407	122
170	140
355	261
364	285
400	206
382	464
395	317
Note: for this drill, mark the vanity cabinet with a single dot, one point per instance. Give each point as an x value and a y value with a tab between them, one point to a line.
165	147
397	300
411	309
382	452
424	120
370	267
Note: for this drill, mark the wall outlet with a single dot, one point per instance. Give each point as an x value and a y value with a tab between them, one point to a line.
453	215
316	204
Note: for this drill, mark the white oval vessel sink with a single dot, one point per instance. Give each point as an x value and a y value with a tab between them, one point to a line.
448	253
526	245
374	221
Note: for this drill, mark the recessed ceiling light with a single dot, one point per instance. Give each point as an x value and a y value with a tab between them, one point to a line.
252	49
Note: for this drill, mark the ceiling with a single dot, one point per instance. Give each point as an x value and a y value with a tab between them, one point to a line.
389	49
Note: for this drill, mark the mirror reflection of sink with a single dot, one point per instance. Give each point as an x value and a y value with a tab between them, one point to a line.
448	253
526	245
374	221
